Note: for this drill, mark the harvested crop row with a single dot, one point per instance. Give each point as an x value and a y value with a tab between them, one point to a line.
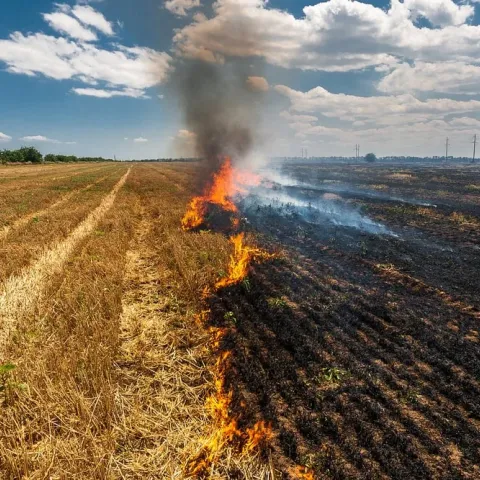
60	425
118	397
165	363
24	220
7	171
23	245
44	175
20	293
26	197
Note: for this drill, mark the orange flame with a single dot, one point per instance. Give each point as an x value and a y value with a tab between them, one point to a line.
302	473
240	261
226	183
226	431
260	433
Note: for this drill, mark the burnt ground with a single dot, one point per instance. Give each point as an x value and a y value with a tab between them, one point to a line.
363	350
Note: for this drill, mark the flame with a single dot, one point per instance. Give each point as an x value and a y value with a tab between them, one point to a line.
302	473
226	432
240	261
226	183
260	433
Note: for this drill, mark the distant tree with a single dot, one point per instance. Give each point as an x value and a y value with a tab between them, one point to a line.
31	154
11	156
370	158
50	158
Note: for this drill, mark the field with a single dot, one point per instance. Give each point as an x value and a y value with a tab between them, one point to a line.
355	344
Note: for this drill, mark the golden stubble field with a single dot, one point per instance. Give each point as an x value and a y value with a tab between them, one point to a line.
104	369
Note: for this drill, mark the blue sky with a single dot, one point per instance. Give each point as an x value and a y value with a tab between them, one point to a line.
95	77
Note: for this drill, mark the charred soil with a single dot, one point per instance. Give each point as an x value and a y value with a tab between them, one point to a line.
363	350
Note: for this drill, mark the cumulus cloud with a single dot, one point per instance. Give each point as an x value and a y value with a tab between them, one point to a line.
440	12
64	23
4	137
60	58
184	143
140	140
101	93
181	7
396	122
381	109
335	35
445	77
258	84
88	16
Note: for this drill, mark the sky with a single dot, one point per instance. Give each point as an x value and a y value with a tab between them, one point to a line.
97	77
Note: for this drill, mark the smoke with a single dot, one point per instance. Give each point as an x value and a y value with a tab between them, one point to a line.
220	109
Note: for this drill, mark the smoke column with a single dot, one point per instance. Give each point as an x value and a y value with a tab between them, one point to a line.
221	110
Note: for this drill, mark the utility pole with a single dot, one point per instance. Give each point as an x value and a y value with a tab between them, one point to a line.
474	147
447	144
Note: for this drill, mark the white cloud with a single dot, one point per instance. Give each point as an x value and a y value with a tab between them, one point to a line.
4	137
465	122
130	68
101	93
161	97
393	109
258	84
444	77
140	140
334	35
180	7
91	17
401	124
64	23
43	139
440	12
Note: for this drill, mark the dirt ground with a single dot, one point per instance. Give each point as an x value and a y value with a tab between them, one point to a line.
363	350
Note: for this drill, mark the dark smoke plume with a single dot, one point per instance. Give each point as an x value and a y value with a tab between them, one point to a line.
220	108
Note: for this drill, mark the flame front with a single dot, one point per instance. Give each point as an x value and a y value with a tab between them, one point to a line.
226	183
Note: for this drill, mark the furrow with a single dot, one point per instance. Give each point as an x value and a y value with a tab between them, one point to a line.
20	293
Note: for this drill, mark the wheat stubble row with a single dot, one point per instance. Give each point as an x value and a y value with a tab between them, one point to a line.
116	367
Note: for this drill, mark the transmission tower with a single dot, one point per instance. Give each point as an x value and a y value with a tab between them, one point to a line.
357	151
474	147
447	144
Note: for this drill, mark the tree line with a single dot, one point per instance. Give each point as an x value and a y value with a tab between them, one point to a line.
32	155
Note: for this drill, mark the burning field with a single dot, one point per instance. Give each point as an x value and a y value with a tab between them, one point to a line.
296	322
351	349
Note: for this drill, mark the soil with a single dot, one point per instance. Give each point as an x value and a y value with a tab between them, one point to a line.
363	350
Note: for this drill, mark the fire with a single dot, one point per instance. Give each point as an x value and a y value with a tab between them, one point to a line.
260	433
240	261
226	183
302	473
